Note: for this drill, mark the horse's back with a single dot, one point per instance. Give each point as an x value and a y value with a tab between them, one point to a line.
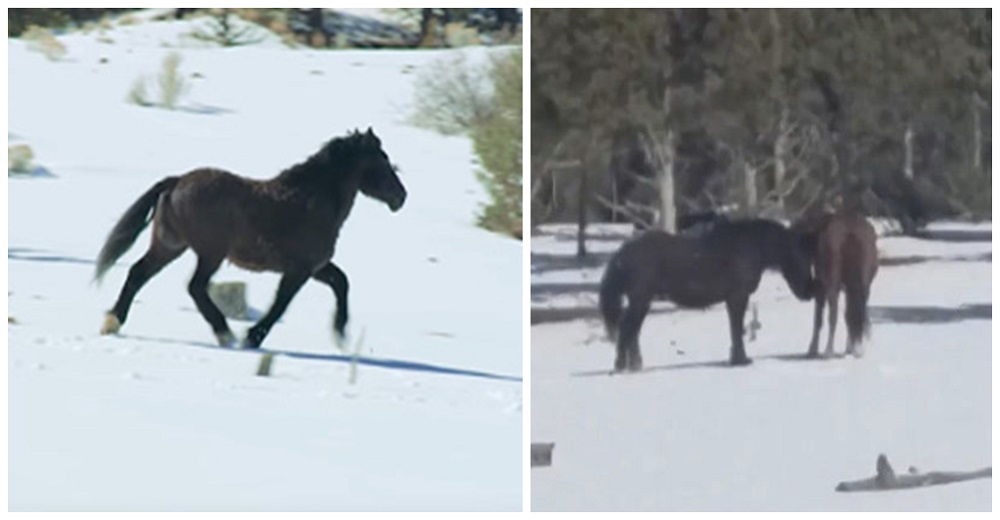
847	243
686	270
257	225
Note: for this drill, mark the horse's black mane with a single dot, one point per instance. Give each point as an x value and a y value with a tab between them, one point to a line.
337	155
745	227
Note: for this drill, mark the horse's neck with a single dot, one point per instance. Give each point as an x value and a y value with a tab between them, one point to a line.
343	205
770	244
336	198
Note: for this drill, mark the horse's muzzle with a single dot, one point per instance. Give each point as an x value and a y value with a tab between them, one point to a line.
397	202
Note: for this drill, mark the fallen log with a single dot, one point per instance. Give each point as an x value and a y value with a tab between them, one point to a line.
886	479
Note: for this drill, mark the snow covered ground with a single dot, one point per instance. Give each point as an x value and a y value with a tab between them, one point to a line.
695	434
158	418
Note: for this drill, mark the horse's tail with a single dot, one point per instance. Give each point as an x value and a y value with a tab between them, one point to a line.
135	219
855	290
610	297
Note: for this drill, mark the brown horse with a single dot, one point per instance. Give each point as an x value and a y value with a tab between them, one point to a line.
288	224
846	258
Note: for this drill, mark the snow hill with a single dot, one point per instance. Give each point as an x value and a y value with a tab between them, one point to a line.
159	418
693	434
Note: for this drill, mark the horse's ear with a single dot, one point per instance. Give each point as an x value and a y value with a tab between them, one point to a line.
370	132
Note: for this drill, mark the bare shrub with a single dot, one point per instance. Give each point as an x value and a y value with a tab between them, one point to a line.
451	97
460	35
42	41
171	86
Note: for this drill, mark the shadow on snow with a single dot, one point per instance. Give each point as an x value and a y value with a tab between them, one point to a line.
392	364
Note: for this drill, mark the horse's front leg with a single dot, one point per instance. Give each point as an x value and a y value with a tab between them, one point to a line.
290	284
817	324
737	308
333	276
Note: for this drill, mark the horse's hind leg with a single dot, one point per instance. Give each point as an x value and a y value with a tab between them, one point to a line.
290	284
628	356
333	276
817	325
833	298
198	289
155	259
737	308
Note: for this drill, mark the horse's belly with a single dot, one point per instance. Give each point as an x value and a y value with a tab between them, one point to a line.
261	257
693	293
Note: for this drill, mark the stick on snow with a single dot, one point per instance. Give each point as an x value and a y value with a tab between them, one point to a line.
886	479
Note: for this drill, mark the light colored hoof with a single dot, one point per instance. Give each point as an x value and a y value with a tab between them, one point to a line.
111	324
226	339
340	341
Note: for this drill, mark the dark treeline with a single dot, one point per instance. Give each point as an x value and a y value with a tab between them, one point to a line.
18	20
638	115
316	27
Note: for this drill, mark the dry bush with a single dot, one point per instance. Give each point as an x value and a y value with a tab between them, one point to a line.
19	157
138	94
225	28
171	85
451	97
460	35
41	40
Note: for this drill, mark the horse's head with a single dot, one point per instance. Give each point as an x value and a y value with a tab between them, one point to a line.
796	263
807	229
378	176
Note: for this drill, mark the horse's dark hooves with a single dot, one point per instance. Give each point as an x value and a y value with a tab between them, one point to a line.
740	362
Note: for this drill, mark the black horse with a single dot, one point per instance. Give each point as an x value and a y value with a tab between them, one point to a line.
288	224
724	265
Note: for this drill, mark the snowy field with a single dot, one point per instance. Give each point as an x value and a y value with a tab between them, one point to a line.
160	419
692	433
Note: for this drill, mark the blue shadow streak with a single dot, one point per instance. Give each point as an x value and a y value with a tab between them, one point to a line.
31	255
392	364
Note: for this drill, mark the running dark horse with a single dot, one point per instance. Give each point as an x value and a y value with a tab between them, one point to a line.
846	257
724	265
288	224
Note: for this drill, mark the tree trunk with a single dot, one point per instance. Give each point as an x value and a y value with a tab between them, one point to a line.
778	93
668	209
780	152
750	185
908	152
662	155
977	134
581	215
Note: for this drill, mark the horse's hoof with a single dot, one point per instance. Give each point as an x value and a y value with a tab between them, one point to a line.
340	340
812	354
740	362
110	325
226	339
